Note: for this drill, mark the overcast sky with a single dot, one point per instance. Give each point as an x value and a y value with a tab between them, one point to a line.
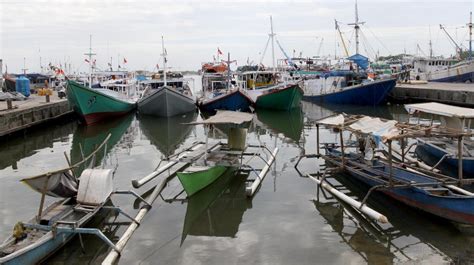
58	31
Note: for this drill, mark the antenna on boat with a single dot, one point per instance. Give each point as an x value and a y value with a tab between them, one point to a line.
90	60
164	60
431	44
356	27
228	62
470	35
272	36
24	66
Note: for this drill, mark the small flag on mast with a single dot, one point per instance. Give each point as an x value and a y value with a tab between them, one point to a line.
219	51
124	60
87	61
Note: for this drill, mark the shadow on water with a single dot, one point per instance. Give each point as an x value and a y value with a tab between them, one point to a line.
18	147
409	229
87	138
316	112
95	250
218	209
167	133
289	123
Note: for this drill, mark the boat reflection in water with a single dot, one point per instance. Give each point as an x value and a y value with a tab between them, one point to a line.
408	233
87	138
218	209
289	123
316	112
167	133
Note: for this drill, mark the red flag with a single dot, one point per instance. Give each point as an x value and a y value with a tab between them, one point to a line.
94	62
87	61
124	60
219	51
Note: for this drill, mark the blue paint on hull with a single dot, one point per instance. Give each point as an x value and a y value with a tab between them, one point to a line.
452	207
232	101
373	93
41	252
456	78
430	154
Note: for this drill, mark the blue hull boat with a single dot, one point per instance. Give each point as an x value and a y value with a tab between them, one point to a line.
430	195
432	152
373	93
234	101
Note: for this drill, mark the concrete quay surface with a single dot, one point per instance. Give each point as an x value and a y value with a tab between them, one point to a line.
461	94
33	111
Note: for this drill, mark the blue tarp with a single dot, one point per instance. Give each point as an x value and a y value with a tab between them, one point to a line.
360	60
22	85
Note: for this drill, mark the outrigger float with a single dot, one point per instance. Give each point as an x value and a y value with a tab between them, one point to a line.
404	180
200	165
83	198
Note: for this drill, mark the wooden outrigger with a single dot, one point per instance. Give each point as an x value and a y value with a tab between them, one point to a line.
83	198
403	180
200	165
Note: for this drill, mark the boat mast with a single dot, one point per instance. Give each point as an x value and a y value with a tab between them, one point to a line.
90	60
164	60
357	27
272	36
342	39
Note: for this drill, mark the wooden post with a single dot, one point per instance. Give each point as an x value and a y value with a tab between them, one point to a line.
460	147
317	139
342	147
47	98
9	103
43	195
390	158
402	145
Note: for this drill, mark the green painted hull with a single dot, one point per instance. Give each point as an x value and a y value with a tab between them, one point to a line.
195	181
282	99
94	105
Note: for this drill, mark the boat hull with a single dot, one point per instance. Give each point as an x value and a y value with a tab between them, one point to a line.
234	101
166	102
286	98
95	106
458	209
197	180
431	154
458	73
373	93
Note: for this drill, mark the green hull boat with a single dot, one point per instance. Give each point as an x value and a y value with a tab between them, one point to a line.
197	178
97	104
280	99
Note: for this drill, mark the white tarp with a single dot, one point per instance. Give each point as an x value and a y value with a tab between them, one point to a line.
441	109
381	130
227	117
332	120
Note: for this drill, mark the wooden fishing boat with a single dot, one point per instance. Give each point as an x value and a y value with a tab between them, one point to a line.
167	101
166	98
426	190
95	105
218	93
368	93
266	93
443	153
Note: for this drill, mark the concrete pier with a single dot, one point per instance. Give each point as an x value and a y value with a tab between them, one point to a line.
461	94
31	112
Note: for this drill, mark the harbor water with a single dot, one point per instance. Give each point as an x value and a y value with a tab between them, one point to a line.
286	222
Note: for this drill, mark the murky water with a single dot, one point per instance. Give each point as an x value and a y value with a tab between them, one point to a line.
284	223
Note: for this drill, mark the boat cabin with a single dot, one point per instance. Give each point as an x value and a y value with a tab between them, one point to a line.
257	79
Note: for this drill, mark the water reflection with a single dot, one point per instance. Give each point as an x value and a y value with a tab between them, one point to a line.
86	138
408	232
167	133
16	148
289	123
217	210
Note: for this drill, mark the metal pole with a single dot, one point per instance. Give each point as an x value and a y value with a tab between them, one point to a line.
460	147
342	147
164	60
272	35
317	139
390	162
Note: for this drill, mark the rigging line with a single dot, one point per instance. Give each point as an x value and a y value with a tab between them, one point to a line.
375	36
